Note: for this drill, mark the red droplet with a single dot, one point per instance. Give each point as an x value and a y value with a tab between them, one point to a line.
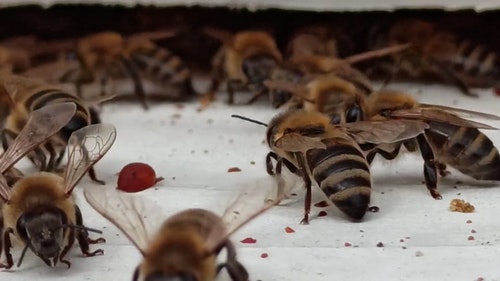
289	230
135	177
233	170
264	255
321	204
401	240
497	91
322	214
473	231
347	244
249	240
468	221
470	238
380	244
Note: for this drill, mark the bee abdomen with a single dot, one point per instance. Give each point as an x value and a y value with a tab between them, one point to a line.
344	176
475	59
163	66
475	154
51	96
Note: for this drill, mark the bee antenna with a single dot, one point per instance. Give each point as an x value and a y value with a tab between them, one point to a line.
22	255
249	120
82	227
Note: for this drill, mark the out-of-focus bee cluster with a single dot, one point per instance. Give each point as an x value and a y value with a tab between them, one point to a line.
332	122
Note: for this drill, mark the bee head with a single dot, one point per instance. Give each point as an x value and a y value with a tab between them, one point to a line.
43	232
258	68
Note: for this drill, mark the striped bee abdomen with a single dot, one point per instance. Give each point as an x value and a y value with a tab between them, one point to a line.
166	69
343	174
51	96
469	151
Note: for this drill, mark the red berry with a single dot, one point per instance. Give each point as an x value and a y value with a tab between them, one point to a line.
135	177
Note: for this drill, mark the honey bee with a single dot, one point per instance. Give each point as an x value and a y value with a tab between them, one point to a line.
27	95
39	209
449	139
439	53
186	245
341	100
325	76
245	60
313	148
108	56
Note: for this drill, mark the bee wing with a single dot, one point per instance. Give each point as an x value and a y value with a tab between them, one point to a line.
86	146
133	215
4	189
249	204
295	142
447	115
461	111
41	125
386	131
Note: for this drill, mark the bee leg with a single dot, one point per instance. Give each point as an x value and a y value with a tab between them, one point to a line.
82	235
71	241
133	72
430	172
60	158
6	245
307	183
52	165
235	269
269	163
256	96
94	178
232	86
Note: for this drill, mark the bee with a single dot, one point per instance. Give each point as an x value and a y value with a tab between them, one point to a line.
325	76
245	60
39	209
439	53
26	95
109	56
310	146
449	139
341	100
186	245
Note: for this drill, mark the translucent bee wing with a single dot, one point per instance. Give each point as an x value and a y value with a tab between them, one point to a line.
461	111
250	203
439	115
4	189
386	131
295	142
86	146
134	215
41	125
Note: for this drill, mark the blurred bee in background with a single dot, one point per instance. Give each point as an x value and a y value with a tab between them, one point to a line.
107	56
245	60
39	209
186	245
449	139
313	148
437	53
26	95
326	77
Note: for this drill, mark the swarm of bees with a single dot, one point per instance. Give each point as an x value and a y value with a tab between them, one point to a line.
331	124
